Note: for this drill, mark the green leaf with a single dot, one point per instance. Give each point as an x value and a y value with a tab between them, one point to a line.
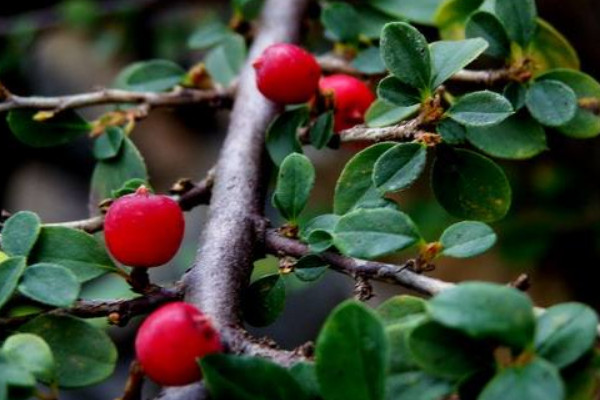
405	53
32	353
264	300
306	375
210	33
74	250
109	143
451	131
467	239
249	9
516	138
372	233
310	268
397	308
322	131
399	167
84	355
295	181
470	186
486	311
354	188
318	232
248	378
449	57
401	358
487	26
447	353
586	123
551	102
515	93
111	174
50	284
369	60
394	91
519	19
417	386
549	49
13	374
62	128
129	187
538	380
150	76
565	333
341	20
372	22
282	134
483	108
581	378
382	113
20	232
351	354
421	12
10	272
452	16
225	61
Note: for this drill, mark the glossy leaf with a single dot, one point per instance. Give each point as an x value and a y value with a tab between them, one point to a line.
282	134
351	354
550	49
451	131
515	93
322	131
470	186
421	11
552	103
109	143
369	60
210	33
295	181
151	76
486	25
519	18
372	233
84	355
10	273
341	20
20	233
318	232
32	353
74	250
394	91
264	300
467	239
449	57
405	53
50	284
225	61
486	311
417	385
310	268
399	167
483	108
382	113
60	129
306	375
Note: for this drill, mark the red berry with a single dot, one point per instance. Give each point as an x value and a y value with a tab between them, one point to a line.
287	74
351	98
171	340
143	229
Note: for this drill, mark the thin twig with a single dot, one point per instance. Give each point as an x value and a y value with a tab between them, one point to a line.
135	382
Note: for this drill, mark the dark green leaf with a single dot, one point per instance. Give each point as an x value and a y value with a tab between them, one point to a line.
60	129
515	93
109	143
551	102
405	53
10	272
129	187
319	240
318	232
421	11
486	311
264	300
282	134
372	22
150	76
369	61
399	167
84	355
487	26
310	268
417	386
467	239
397	308
322	131
449	57
225	61
517	137
341	20
20	233
50	284
519	19
112	174
483	108
32	353
538	380
306	375
74	250
295	181
351	354
210	33
372	233
250	9
565	333
382	113
354	188
394	91
470	186
451	131
231	377
401	359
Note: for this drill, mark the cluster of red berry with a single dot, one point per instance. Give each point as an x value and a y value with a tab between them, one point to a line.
287	74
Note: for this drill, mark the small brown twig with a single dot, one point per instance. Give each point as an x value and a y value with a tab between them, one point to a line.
135	382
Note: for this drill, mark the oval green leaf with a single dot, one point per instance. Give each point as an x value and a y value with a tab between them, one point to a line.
421	12
310	268
449	57
60	129
50	284
487	26
520	19
397	308
225	61
394	91
282	134
382	113
551	103
13	374
483	108
10	273
322	131
467	239
341	20
295	181
264	300
451	131
550	49
417	385
32	353
109	143
20	233
150	76
399	167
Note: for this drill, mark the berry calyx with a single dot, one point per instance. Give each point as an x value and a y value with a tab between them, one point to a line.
287	74
171	341
351	98
143	229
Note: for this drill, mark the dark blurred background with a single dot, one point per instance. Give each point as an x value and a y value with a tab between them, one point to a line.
51	48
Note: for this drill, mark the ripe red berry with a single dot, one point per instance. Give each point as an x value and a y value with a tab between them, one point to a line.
287	74
143	229
351	98
171	340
